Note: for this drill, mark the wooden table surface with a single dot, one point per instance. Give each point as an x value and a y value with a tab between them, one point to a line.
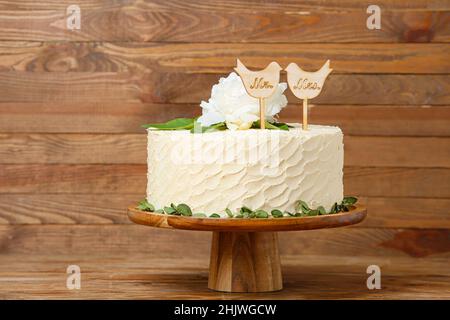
34	267
311	277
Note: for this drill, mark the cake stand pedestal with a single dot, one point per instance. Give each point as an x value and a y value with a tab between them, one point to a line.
244	252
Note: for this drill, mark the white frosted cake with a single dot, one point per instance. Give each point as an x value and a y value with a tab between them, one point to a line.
238	166
260	169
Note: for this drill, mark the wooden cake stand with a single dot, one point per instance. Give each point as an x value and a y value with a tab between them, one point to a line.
244	252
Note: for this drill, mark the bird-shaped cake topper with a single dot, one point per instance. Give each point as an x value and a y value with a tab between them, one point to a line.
306	85
260	84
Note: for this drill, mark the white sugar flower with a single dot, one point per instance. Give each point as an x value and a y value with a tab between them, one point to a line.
230	103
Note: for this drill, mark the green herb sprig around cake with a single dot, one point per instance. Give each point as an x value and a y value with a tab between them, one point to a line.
301	210
195	127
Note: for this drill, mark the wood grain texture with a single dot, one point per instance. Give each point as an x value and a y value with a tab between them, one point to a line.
420	213
331	5
127	240
82	179
92	117
74	148
212	58
220	21
130	178
392	151
397	182
379	120
131	149
65	208
245	262
108	87
114	117
152	277
72	153
152	219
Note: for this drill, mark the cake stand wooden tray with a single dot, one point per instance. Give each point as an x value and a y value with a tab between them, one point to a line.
244	252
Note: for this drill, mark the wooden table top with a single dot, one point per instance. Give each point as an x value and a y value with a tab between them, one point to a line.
147	277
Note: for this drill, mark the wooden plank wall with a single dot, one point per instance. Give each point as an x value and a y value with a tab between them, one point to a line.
72	154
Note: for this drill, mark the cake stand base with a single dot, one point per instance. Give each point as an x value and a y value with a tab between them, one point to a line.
244	252
245	262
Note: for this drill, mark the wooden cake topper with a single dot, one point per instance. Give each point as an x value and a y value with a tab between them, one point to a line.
260	84
306	85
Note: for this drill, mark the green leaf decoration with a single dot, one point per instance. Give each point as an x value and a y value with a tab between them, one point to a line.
271	125
306	212
175	124
334	208
281	125
302	206
349	201
290	213
246	209
261	214
199	215
170	210
184	209
144	205
276	213
247	212
197	128
284	127
321	210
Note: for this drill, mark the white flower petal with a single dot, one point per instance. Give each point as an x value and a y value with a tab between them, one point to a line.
245	125
232	126
230	102
210	117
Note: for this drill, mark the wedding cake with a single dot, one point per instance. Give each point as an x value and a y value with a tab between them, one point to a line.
222	162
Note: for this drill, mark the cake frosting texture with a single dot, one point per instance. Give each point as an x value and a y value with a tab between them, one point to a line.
260	169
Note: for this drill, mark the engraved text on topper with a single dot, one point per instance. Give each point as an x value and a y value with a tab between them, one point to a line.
260	84
304	83
307	85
